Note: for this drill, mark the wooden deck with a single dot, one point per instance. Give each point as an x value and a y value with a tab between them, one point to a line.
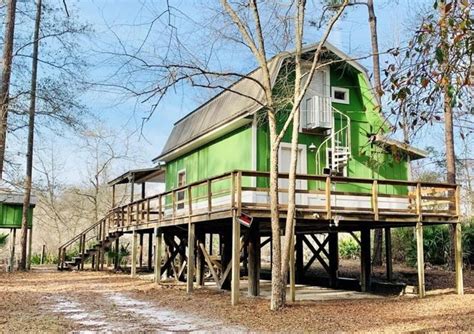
218	197
181	219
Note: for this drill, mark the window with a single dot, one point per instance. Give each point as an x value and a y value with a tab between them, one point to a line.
340	95
180	195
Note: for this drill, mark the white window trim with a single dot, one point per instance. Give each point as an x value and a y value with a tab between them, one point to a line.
185	177
340	89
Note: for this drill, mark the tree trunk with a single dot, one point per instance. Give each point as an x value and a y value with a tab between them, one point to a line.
31	131
278	288
375	49
448	123
291	211
378	237
6	74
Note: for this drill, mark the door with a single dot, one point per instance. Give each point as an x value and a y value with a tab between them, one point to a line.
284	167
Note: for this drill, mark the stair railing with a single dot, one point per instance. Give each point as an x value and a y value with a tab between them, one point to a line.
97	231
339	138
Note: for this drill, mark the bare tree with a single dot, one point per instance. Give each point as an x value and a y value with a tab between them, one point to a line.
6	74
31	132
432	79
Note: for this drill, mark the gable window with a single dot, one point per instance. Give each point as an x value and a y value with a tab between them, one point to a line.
340	95
180	195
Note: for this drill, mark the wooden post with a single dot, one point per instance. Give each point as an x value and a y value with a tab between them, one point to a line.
292	268
158	254
133	270
210	243
299	258
30	242
43	251
150	250
328	198
235	283
117	254
254	260
365	260
458	259
388	253
226	255
132	189
190	255
375	201
420	261
201	239
140	256
11	265
113	196
333	259
143	190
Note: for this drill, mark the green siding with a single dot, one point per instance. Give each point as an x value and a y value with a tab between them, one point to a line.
367	161
230	152
10	215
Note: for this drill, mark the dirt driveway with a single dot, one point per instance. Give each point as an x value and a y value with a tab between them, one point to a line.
51	301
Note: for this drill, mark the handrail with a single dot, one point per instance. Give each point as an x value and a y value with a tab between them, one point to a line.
139	211
334	137
83	232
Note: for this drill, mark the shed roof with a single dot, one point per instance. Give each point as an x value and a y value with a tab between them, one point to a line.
413	152
152	174
243	98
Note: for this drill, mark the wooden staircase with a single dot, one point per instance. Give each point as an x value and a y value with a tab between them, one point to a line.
101	247
93	243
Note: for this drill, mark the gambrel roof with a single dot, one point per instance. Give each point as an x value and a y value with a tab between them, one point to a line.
241	99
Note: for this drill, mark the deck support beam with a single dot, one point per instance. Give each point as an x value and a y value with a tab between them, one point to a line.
117	254
388	253
226	256
158	254
333	259
254	261
140	258
150	250
299	258
133	269
420	261
292	268
365	260
201	239
190	256
458	259
235	282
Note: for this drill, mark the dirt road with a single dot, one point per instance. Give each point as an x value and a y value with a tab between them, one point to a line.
51	301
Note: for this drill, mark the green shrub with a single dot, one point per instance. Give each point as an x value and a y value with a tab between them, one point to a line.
349	248
3	239
436	243
123	253
48	259
468	241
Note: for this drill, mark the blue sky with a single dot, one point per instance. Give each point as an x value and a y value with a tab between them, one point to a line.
129	20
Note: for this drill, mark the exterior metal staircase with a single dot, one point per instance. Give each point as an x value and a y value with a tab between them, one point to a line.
92	243
336	148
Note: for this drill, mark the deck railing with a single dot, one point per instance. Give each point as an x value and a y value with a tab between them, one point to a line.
320	197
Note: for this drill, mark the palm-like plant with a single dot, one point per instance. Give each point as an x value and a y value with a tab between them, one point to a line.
3	239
